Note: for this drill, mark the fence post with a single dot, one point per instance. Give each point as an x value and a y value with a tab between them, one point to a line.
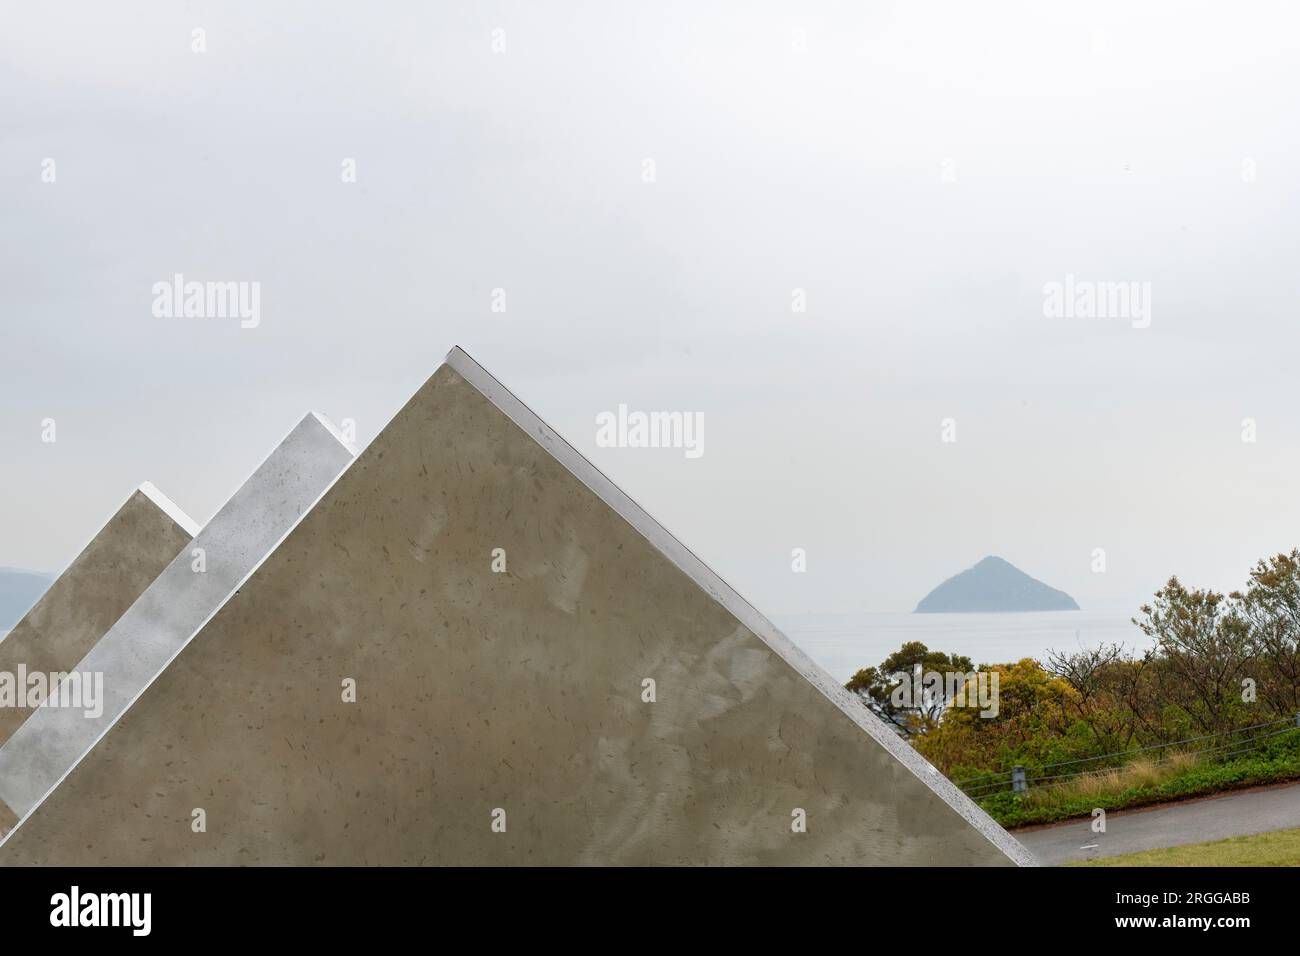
1018	784
1297	718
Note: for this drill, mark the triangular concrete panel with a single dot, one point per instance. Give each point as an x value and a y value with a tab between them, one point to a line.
111	571
499	718
172	608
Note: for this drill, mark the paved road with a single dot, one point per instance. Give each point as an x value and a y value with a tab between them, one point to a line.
1213	818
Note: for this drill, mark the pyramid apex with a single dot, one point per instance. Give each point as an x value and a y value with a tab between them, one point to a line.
169	508
331	428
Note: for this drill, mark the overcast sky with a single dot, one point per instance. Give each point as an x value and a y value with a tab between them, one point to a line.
920	170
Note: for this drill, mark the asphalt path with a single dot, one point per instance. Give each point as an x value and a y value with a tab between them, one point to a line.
1258	810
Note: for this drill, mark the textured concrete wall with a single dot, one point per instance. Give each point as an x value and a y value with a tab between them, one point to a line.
103	581
480	694
174	606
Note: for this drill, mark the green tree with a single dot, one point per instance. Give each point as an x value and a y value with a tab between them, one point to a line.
877	685
1271	606
1205	640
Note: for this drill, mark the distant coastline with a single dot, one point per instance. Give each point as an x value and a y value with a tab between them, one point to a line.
19	590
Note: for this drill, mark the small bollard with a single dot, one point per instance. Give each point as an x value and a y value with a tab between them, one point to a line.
1018	784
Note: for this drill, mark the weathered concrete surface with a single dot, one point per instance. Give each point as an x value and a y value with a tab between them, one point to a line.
105	579
174	607
477	691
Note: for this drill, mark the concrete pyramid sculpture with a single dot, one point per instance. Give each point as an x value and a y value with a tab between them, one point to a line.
476	650
171	609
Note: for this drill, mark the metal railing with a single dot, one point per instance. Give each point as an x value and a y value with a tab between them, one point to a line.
1018	779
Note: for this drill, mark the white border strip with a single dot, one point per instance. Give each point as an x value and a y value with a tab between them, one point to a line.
170	508
724	594
336	432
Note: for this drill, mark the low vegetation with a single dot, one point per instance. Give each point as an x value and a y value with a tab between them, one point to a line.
1143	783
1210	706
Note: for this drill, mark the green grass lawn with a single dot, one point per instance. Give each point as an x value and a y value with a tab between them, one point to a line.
1280	848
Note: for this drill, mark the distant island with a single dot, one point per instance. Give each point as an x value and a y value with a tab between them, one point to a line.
993	586
19	590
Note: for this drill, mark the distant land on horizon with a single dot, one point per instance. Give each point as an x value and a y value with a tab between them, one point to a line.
993	586
19	590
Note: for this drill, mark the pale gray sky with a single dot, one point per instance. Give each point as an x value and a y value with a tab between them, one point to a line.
920	169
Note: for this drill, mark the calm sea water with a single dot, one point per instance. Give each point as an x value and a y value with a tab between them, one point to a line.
843	643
